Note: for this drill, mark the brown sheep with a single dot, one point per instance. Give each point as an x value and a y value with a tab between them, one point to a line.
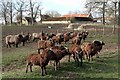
58	38
42	44
13	39
40	60
59	53
98	45
77	53
84	35
91	49
73	34
77	39
87	49
66	37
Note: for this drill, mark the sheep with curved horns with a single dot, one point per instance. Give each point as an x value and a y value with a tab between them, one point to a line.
91	49
98	44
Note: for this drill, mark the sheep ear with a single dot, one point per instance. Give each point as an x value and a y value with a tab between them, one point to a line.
101	42
93	41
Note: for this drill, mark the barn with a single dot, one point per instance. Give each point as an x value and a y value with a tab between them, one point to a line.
70	18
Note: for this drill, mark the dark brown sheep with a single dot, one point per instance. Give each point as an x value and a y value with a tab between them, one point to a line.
59	53
26	38
50	35
98	45
84	35
40	60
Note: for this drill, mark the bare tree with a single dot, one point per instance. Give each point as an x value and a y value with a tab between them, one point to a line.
40	15
31	10
91	6
97	6
20	7
103	17
115	11
4	12
34	9
11	12
119	13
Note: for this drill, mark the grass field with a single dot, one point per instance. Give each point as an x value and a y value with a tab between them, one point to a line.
14	59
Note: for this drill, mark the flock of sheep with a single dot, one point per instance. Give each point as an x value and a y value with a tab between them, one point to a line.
49	48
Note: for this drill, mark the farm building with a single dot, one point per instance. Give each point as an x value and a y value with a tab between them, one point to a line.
27	20
69	18
107	19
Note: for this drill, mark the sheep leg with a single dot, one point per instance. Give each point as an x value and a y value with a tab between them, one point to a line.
31	68
90	58
56	62
27	68
55	66
77	59
33	39
59	64
16	45
45	70
74	57
78	62
42	69
23	43
69	58
38	51
9	45
81	60
87	56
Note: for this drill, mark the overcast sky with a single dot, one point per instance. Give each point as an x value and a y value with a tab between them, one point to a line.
63	6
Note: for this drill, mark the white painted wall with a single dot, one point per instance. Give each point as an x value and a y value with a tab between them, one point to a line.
54	22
